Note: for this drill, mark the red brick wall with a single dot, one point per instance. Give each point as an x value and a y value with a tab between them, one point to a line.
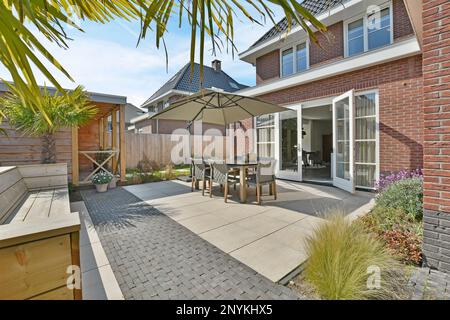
399	84
436	70
268	66
402	23
331	45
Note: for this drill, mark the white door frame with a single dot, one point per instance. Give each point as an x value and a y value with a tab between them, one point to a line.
283	174
348	185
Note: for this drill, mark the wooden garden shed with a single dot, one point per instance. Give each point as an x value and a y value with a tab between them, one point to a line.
86	149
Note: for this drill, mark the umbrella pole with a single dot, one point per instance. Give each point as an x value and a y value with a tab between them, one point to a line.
189	149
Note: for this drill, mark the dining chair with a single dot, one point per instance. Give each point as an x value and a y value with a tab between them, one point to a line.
200	172
220	174
315	158
264	176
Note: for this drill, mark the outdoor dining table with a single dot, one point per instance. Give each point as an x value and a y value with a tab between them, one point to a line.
242	166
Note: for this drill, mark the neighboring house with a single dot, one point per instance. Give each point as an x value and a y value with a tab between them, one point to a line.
131	112
355	101
179	86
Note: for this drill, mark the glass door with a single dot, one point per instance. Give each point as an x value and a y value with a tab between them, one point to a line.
343	142
289	147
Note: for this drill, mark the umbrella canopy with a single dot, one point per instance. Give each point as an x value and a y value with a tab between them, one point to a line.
216	107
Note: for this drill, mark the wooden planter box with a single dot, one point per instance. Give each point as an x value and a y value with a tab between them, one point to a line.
39	236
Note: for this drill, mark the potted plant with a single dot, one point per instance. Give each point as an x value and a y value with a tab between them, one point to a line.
101	181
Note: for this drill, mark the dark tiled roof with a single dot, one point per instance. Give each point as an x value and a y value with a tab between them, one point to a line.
211	78
316	7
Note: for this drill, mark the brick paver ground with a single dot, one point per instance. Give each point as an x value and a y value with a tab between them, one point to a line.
430	284
154	257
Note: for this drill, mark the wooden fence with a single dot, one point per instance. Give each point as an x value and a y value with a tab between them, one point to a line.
166	148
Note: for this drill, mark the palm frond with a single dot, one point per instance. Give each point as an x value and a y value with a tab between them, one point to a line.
71	109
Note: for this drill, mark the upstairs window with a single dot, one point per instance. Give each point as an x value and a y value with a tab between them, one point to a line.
301	57
294	59
372	31
355	37
287	61
379	32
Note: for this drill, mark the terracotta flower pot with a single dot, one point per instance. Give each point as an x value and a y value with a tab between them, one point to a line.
102	187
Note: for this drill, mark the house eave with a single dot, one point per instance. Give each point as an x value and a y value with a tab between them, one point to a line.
142	117
164	96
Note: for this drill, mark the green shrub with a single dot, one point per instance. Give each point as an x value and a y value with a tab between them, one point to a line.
340	255
406	195
169	173
382	219
398	230
145	166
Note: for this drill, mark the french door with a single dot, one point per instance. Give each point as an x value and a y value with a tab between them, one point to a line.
289	146
344	142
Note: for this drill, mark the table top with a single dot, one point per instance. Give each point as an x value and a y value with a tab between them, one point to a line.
242	164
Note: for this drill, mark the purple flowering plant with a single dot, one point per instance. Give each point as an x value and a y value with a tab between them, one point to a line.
387	179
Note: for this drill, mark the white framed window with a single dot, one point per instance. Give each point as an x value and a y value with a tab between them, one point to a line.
287	62
367	162
265	135
294	59
369	31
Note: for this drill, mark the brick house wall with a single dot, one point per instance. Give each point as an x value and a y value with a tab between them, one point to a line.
331	45
402	23
436	72
399	84
268	67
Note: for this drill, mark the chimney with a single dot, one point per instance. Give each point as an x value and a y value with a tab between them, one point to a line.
216	65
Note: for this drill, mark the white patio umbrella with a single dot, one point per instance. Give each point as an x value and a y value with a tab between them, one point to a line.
217	107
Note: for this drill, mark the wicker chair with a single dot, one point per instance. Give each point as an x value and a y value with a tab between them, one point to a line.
220	174
200	172
264	176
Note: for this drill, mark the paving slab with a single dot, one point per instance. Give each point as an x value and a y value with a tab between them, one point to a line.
271	258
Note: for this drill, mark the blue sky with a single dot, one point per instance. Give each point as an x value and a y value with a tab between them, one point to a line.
105	58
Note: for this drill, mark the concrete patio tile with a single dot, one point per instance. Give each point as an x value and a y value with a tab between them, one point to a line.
310	223
272	259
93	286
203	223
262	225
177	202
292	236
234	211
100	284
98	280
92	256
285	215
178	213
88	234
230	237
148	196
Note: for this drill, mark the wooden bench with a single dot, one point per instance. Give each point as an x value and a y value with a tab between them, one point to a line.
39	236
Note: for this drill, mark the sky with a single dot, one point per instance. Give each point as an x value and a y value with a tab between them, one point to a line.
106	58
